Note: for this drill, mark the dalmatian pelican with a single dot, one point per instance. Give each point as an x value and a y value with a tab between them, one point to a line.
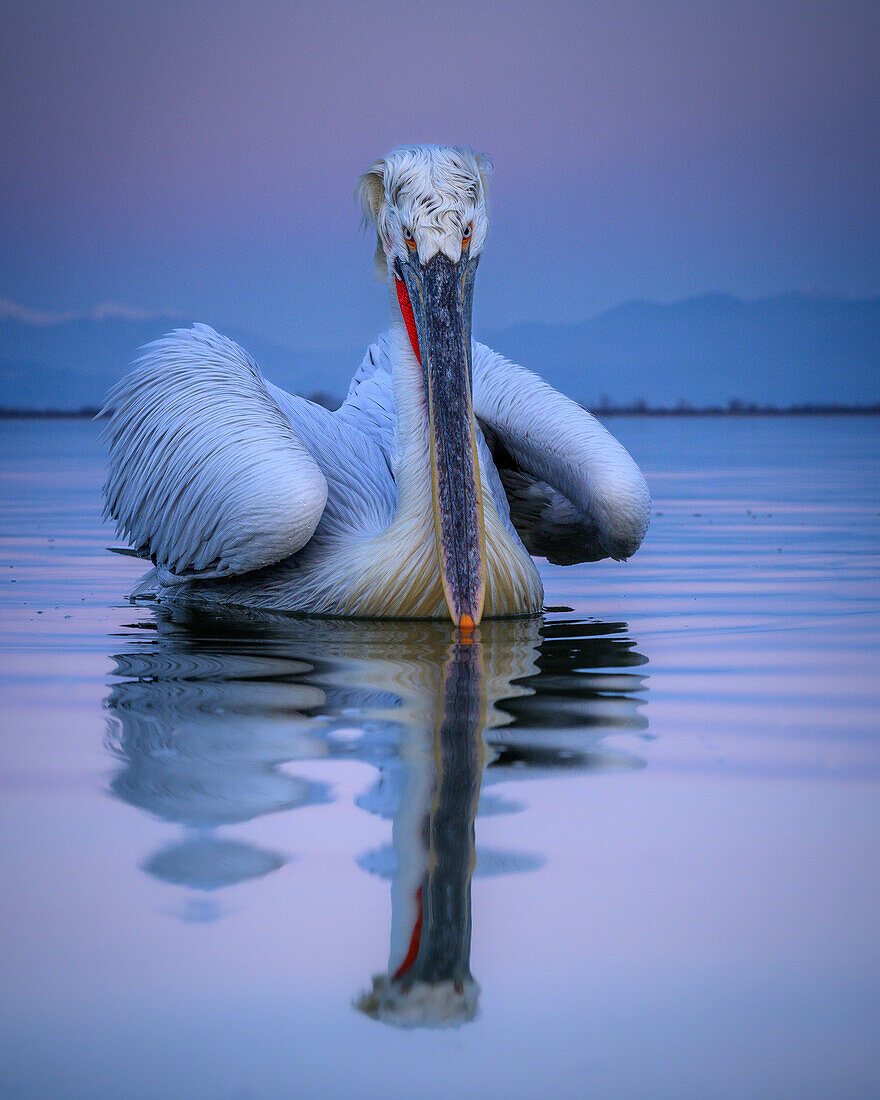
423	496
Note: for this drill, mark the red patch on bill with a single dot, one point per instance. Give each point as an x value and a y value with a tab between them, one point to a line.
407	311
413	951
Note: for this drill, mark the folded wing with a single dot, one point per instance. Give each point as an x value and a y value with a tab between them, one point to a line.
206	475
575	494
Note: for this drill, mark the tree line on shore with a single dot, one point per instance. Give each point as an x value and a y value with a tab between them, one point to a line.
605	407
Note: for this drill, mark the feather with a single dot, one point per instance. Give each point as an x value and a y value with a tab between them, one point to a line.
435	190
206	475
574	492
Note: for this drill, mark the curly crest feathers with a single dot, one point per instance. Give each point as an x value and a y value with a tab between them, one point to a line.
435	191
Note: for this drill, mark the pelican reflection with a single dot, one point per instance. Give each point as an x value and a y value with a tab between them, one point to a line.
209	716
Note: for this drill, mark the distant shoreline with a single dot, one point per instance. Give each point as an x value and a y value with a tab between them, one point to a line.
736	409
640	408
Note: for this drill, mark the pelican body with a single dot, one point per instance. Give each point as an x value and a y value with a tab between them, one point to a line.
423	496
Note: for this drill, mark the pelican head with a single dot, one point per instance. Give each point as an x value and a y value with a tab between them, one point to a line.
428	203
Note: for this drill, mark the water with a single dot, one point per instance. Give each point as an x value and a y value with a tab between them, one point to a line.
628	851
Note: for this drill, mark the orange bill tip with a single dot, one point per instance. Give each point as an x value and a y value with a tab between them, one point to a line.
466	625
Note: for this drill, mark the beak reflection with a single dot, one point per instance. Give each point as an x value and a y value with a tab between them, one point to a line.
429	981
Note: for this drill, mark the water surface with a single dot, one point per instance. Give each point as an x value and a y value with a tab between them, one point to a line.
627	850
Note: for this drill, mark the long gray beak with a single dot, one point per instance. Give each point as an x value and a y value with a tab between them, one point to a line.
440	294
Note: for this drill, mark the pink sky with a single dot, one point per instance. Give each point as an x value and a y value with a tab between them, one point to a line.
203	159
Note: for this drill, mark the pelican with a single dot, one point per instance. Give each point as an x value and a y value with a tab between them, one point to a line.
423	496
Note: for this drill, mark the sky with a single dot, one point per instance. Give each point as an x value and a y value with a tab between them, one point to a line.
201	159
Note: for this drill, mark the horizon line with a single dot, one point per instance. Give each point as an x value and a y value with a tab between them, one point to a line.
734	407
11	310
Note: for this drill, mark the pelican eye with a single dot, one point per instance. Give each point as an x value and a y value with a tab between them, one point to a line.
408	237
468	233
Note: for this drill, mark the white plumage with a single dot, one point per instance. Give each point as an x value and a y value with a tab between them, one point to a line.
196	413
245	495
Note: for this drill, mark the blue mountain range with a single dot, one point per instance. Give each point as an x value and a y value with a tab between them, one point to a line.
781	350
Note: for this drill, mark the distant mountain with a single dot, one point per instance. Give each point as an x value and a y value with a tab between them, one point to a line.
72	363
786	349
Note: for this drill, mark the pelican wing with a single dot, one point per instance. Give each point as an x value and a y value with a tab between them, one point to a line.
206	474
574	492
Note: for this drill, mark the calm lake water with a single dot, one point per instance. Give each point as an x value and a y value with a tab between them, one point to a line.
630	850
